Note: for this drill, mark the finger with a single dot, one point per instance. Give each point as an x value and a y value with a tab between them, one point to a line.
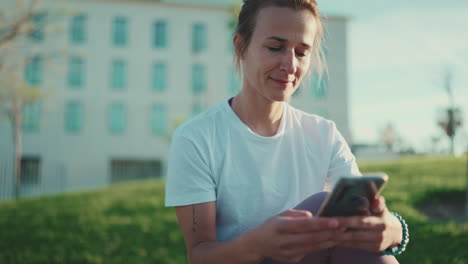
302	225
373	247
366	236
378	205
362	222
303	239
343	236
296	213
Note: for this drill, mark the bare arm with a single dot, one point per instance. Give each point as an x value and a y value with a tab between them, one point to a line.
286	237
198	224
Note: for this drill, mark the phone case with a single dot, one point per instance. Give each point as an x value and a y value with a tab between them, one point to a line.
353	195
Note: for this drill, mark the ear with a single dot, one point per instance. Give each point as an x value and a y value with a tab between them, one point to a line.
237	41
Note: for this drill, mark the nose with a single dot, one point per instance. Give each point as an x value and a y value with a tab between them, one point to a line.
289	62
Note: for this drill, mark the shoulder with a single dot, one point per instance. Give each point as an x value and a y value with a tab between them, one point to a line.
311	122
202	125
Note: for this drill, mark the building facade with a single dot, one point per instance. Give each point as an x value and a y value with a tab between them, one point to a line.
131	72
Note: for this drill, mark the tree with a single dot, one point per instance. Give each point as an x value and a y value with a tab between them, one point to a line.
450	118
389	137
20	23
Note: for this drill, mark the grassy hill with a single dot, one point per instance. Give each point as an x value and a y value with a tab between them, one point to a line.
127	223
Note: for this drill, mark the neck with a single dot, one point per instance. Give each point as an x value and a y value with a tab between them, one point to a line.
261	115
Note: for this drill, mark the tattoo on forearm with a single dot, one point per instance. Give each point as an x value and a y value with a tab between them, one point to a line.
194	226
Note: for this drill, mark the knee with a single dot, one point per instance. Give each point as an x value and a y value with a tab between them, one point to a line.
350	255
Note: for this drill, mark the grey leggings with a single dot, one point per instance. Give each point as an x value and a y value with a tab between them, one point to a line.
336	255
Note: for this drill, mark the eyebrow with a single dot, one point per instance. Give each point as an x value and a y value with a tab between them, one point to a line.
285	40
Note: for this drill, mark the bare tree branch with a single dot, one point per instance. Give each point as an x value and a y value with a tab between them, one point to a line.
21	23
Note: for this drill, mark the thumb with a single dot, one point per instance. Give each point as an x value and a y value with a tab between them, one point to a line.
296	213
379	206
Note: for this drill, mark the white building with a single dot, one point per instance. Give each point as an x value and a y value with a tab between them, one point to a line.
132	71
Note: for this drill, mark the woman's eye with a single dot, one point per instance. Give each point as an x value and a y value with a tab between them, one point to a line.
301	54
274	48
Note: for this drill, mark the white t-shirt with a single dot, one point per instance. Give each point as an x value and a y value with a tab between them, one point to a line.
216	157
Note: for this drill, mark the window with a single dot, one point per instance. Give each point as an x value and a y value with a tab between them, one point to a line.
196	109
120	27
78	29
118	75
130	169
31	117
73	116
199	38
117	118
159	77
30	170
198	79
38	23
234	82
158	119
76	71
160	34
319	86
34	71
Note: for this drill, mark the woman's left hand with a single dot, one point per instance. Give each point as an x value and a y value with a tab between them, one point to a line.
376	232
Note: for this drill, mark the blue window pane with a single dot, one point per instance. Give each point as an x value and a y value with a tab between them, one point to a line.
73	116
120	27
76	71
78	29
198	79
234	81
34	71
196	109
117	118
38	23
31	117
158	119
160	34
319	86
199	38
119	75
159	77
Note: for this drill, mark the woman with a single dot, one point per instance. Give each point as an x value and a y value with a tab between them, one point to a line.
236	170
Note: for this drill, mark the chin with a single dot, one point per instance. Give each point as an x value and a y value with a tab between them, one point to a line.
280	97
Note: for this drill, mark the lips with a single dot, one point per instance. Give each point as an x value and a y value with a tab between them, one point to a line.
282	82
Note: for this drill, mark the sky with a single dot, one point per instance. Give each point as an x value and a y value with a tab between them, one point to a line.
398	52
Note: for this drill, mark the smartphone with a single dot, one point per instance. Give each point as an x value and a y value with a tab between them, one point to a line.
353	196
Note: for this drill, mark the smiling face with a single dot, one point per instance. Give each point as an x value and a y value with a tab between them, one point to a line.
279	53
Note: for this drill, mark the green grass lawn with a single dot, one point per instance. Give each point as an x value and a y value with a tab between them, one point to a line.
127	223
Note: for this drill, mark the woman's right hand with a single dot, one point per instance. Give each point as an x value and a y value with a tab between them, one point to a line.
291	235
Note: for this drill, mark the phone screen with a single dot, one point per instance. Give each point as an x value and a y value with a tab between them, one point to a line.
353	196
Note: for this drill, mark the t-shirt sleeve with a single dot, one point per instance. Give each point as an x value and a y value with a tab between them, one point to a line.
189	180
342	162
